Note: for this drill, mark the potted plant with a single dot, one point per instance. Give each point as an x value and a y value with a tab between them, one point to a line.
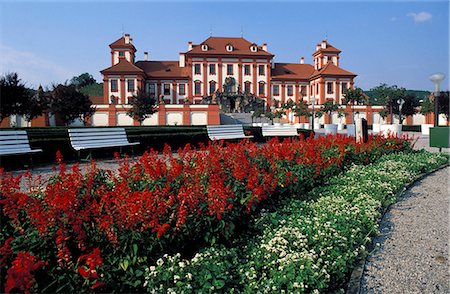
426	108
328	108
301	109
340	114
376	127
279	115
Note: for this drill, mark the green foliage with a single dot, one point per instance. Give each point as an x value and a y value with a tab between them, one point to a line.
329	107
301	109
444	103
376	98
309	244
82	80
17	99
354	97
143	105
95	89
70	104
409	107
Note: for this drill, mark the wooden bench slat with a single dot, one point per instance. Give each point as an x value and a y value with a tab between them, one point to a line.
15	142
92	138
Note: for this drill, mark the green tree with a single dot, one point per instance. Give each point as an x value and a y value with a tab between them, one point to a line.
354	97
341	113
15	97
409	107
82	80
70	104
383	114
301	109
329	107
142	106
37	104
444	103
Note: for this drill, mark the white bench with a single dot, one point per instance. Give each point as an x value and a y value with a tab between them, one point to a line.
277	131
226	132
15	142
95	138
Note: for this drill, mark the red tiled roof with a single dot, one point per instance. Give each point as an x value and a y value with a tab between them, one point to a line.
328	49
163	69
120	43
122	67
96	99
217	45
292	71
331	70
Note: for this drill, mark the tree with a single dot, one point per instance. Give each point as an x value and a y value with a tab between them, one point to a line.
388	95
15	97
409	107
329	107
354	96
70	104
37	104
444	103
301	109
142	106
82	80
341	113
383	114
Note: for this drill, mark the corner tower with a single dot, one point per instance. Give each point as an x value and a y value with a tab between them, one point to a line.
122	48
325	53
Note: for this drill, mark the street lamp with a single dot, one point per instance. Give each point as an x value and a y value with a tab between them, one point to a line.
312	100
400	106
437	78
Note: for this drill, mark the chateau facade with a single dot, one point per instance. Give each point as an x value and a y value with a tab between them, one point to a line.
204	68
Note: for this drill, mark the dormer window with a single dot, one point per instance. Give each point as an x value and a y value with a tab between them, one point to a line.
121	53
229	47
204	47
253	48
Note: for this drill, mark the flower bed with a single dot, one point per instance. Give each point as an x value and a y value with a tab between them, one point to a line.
304	246
100	231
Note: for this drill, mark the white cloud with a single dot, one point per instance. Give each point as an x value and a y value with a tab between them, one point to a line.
32	69
421	16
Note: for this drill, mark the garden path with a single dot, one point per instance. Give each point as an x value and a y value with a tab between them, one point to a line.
411	254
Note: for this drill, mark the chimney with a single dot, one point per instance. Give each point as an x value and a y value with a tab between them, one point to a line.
189	45
131	40
272	63
127	38
182	60
145	56
317	47
264	46
324	44
302	60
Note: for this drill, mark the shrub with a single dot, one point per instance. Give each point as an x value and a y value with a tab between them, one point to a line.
101	230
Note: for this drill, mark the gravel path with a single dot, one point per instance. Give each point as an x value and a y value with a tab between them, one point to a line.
412	255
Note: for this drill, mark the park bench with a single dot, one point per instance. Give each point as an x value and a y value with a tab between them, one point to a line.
16	143
226	132
97	138
278	131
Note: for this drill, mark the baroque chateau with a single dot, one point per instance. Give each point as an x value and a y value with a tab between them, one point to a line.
203	69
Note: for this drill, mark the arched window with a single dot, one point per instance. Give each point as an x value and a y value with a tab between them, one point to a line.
262	88
204	47
197	88
212	87
229	47
253	48
247	86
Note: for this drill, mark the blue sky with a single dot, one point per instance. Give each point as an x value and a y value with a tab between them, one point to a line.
390	42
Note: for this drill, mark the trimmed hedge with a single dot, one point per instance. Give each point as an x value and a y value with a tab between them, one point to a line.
53	139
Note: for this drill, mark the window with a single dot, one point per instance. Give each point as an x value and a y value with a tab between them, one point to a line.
229	69
261	88
204	47
317	89
197	89
261	69
197	69
212	88
247	87
229	48
166	89
303	90
182	89
290	90
247	69
212	69
253	48
152	89
276	90
121	53
114	87
329	88
344	88
130	85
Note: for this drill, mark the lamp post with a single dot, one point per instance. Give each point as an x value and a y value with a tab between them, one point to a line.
400	106
437	78
312	100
